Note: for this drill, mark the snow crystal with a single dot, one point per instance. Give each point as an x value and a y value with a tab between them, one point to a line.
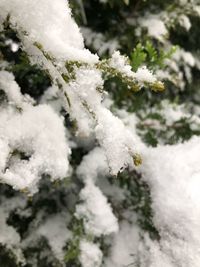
90	254
117	141
120	63
9	237
37	132
197	9
172	173
184	21
11	88
51	98
99	42
13	46
57	234
187	57
124	246
155	26
92	165
144	75
54	29
96	212
50	24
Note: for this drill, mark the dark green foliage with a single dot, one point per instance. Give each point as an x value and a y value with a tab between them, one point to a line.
137	200
179	131
31	79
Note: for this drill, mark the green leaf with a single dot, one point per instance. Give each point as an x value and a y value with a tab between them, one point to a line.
138	57
151	51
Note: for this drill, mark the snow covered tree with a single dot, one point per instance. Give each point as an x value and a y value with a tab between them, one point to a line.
94	169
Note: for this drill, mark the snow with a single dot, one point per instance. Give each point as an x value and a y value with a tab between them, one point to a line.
94	209
94	164
144	75
120	63
57	234
90	254
51	25
97	214
11	88
81	95
117	141
99	42
36	131
51	98
187	57
33	143
91	115
103	1
173	112
13	46
172	173
184	21
9	237
124	246
155	26
197	9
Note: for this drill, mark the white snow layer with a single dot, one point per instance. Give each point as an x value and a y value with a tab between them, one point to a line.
155	26
57	234
173	174
124	246
49	24
97	214
52	26
90	254
91	116
9	237
37	132
120	63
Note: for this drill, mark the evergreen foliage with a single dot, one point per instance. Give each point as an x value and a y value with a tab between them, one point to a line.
94	136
